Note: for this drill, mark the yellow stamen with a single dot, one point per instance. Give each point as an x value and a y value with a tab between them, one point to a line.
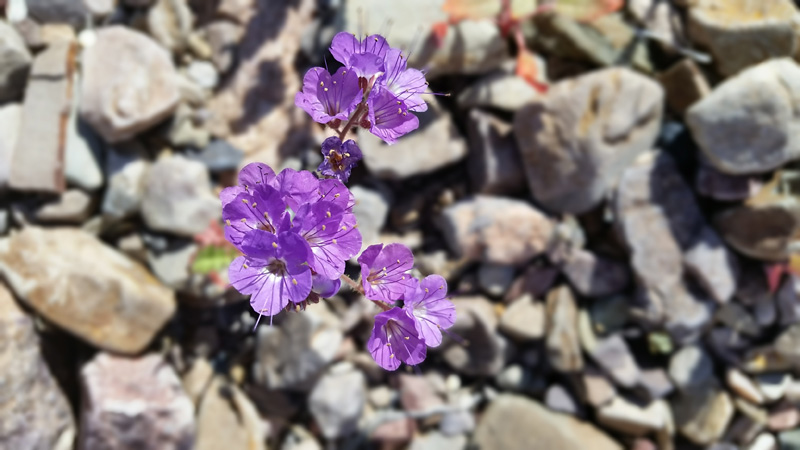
274	245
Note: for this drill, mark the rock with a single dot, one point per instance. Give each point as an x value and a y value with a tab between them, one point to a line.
495	230
512	422
516	378
746	125
129	84
35	412
558	398
743	386
684	84
395	431
702	416
226	418
576	141
4	221
659	220
764	441
100	8
790	440
612	354
609	314
712	265
434	145
197	379
417	394
203	73
337	400
595	276
562	344
134	403
598	389
626	417
477	324
435	440
38	162
292	354
773	385
172	266
535	280
738	319
97	293
494	163
74	206
728	188
661	19
15	62
177	197
691	368
125	190
223	38
184	131
371	210
784	416
10	119
381	397
495	279
740	34
656	383
169	22
83	151
469	47
787	300
73	12
299	438
524	320
498	90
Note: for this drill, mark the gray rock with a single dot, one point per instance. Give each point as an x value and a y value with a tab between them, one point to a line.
4	221
691	368
96	293
418	394
184	131
728	188
593	275
597	388
219	156
74	206
535	280
35	413
498	90
662	19
739	35
227	418
337	400
177	197
788	301
434	145
100	8
577	140
126	183
495	279
295	351
562	343
470	47
15	62
170	22
134	403
82	154
656	383
435	440
747	124
626	417
515	423
739	319
558	398
612	354
524	320
10	120
223	37
495	230
712	265
790	440
73	12
371	210
702	416
129	84
477	324
494	164
172	266
38	162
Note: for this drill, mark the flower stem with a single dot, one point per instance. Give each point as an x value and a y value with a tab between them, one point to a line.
354	119
357	287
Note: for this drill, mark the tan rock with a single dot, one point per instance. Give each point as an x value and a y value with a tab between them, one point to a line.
227	419
562	342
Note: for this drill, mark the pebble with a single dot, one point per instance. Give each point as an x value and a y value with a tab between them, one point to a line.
15	62
203	73
337	401
562	344
172	266
656	383
612	354
784	416
524	320
744	386
227	418
123	197
703	416
593	275
73	12
576	141
218	156
495	279
476	323
559	399
773	385
73	206
169	22
691	368
435	440
727	188
371	210
499	90
494	164
626	417
10	119
598	389
121	312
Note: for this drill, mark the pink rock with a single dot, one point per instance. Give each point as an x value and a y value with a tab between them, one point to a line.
400	430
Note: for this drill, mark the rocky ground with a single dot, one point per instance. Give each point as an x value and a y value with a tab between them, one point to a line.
616	247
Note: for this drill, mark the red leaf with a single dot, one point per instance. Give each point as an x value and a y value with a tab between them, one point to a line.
529	70
774	274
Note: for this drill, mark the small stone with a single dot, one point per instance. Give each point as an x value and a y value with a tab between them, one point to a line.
371	210
727	188
218	156
476	323
184	131
498	90
516	378
172	266
662	19
494	164
434	145
495	279
495	230
74	206
336	402
35	412
15	62
197	379
787	345
83	151
177	197
609	314
536	280
129	84
10	119
381	397
743	386
597	387
515	423
125	190
100	8
577	140
38	162
740	33
656	383
97	294
558	398
691	368
203	73
73	12
170	22
524	320
746	124
395	431
764	441
417	394
626	417
784	416
790	440
223	37
712	265
134	403
55	33
684	84
470	47
703	416
612	354
437	441
788	300
736	317
595	276
227	418
773	385
562	344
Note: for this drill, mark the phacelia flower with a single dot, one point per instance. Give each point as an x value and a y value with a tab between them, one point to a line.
388	117
258	208
274	270
405	83
327	97
251	175
385	271
395	339
365	57
427	303
331	234
339	158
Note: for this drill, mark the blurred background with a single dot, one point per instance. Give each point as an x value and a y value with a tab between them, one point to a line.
609	187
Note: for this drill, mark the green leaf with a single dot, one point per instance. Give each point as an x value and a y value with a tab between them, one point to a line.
660	343
213	259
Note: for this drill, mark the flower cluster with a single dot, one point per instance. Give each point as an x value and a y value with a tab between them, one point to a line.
296	231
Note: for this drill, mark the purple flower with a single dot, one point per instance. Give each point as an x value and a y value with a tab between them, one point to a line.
406	84
331	235
388	116
365	57
331	189
297	188
325	287
339	158
384	271
274	271
395	338
258	208
251	175
327	97
427	303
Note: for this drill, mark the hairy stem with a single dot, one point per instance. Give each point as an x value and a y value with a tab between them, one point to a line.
357	287
354	119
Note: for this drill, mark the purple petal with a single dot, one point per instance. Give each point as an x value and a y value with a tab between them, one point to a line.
259	209
326	97
296	253
406	84
333	190
384	272
325	287
427	302
339	158
394	339
366	64
389	116
228	194
343	45
365	57
255	174
297	188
